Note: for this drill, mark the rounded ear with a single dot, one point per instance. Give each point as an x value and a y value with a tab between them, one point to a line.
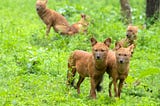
93	41
38	1
135	29
108	42
118	45
131	47
45	1
83	16
129	26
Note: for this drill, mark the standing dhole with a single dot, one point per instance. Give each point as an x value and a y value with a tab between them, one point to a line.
118	66
91	65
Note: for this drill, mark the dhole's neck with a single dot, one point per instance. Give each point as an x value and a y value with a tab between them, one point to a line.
100	64
131	41
122	68
42	13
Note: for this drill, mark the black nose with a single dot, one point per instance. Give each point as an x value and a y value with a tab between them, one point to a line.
37	9
121	61
127	35
98	57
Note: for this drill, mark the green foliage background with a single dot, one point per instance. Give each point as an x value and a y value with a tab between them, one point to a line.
33	68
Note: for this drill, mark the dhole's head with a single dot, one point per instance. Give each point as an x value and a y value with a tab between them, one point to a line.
84	22
84	19
41	5
123	54
100	49
131	32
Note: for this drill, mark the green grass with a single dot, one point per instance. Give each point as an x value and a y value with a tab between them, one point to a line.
33	68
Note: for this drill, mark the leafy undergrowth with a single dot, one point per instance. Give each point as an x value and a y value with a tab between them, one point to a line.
33	68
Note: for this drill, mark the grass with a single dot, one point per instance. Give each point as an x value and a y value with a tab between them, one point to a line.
33	68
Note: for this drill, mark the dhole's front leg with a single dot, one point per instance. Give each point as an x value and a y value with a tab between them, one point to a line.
115	87
93	91
120	87
48	29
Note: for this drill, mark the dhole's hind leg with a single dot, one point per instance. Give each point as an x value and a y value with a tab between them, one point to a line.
79	83
99	87
62	29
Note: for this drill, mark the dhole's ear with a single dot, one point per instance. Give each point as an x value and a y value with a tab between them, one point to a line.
38	1
83	16
93	41
131	47
108	42
45	1
130	25
118	45
135	29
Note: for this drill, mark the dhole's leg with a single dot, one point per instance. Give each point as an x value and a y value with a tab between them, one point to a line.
93	91
62	29
48	29
71	32
110	87
79	83
120	87
115	87
98	87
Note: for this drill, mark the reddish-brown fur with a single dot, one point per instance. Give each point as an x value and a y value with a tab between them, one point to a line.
118	67
51	18
82	25
91	65
59	23
131	36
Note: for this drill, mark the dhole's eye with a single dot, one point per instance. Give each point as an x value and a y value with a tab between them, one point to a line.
119	54
130	30
102	50
95	50
125	54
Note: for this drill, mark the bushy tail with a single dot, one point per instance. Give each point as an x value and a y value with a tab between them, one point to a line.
71	70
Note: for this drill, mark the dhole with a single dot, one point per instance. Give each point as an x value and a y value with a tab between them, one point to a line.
118	67
51	18
82	25
91	65
131	36
59	23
